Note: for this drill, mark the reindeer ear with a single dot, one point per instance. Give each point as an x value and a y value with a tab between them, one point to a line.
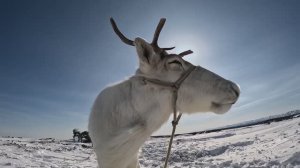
145	51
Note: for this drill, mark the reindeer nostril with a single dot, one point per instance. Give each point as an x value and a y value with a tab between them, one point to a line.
236	89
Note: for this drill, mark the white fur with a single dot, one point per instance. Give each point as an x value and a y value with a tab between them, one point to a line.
126	114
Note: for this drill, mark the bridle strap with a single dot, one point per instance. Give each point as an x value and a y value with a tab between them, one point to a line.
175	87
175	84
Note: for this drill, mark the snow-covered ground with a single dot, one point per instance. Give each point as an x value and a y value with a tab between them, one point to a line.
273	145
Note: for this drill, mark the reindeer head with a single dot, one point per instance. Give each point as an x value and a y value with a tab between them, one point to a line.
201	91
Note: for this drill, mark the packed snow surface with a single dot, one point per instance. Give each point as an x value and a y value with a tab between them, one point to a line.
269	145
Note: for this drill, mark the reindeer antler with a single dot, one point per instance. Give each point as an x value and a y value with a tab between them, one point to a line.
168	48
118	32
184	53
130	42
157	33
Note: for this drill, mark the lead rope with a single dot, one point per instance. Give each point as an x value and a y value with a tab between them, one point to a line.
174	124
175	86
176	118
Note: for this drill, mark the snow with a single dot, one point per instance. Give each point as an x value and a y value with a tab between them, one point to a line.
290	114
268	145
24	152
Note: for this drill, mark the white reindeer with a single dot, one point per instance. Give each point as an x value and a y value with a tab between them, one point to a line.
126	114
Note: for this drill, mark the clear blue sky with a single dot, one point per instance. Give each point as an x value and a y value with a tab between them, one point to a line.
57	55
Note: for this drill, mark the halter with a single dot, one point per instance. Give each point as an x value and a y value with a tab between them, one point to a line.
175	87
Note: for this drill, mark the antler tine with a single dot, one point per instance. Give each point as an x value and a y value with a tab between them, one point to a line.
158	30
184	53
118	32
168	48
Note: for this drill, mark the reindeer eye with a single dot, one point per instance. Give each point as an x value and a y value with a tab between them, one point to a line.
175	65
175	62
